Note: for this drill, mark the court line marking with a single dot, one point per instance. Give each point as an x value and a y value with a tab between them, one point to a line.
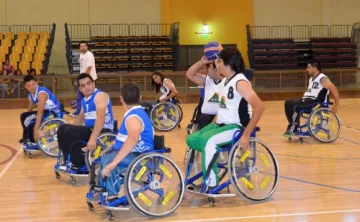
349	141
272	215
9	164
314	157
349	128
13	152
319	184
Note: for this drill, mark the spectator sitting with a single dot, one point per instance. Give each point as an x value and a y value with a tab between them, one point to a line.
4	84
8	67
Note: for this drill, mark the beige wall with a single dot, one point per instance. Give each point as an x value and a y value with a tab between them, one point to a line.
31	12
306	12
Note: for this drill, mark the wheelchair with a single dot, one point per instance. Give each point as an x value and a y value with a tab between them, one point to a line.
102	142
167	116
253	174
47	142
320	123
153	185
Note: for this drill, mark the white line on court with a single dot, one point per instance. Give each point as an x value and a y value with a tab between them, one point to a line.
10	127
355	130
9	164
271	215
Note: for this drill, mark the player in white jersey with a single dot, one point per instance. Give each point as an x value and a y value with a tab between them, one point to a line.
318	91
235	112
210	81
165	89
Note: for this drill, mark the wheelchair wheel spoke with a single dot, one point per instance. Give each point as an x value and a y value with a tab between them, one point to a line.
162	195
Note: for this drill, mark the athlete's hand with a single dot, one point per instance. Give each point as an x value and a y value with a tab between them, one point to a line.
163	101
244	143
91	145
36	134
335	109
107	170
204	60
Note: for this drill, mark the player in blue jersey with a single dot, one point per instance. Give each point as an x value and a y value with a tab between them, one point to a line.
95	117
136	136
46	102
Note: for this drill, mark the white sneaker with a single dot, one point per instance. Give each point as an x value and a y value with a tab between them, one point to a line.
63	168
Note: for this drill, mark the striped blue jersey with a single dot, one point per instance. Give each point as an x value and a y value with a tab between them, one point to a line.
89	107
146	141
51	104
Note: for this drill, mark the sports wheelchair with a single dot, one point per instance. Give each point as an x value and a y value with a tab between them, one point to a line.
254	174
167	116
47	142
153	184
64	166
320	122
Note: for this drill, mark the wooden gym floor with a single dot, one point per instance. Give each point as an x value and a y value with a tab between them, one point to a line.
318	182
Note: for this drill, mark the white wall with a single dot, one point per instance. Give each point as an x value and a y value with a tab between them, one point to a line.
306	12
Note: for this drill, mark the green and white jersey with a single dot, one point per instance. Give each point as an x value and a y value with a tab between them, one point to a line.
233	108
211	97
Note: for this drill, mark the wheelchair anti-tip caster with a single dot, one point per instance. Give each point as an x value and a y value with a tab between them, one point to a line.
90	206
110	215
57	175
211	201
73	181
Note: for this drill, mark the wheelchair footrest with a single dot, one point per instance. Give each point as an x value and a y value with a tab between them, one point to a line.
99	189
116	208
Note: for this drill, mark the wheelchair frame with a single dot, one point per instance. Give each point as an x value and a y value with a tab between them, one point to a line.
307	134
172	103
29	149
124	200
82	171
230	150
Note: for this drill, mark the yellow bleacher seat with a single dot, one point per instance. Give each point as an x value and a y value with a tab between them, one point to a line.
6	42
31	42
44	35
30	49
14	63
15	57
33	35
24	66
37	65
20	42
9	35
27	57
4	49
39	57
2	57
41	49
17	49
43	42
22	35
1	36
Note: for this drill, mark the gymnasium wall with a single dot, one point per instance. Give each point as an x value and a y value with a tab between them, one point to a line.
227	22
76	12
306	12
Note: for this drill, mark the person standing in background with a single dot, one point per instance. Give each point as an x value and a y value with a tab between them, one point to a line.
87	65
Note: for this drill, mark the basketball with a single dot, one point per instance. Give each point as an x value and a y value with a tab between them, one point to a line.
211	50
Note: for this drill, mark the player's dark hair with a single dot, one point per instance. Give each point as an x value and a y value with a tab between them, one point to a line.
130	93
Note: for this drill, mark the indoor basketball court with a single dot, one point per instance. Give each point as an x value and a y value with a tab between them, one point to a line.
279	47
317	182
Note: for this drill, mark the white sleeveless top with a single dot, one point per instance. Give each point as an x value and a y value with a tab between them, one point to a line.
165	90
315	90
233	108
211	98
